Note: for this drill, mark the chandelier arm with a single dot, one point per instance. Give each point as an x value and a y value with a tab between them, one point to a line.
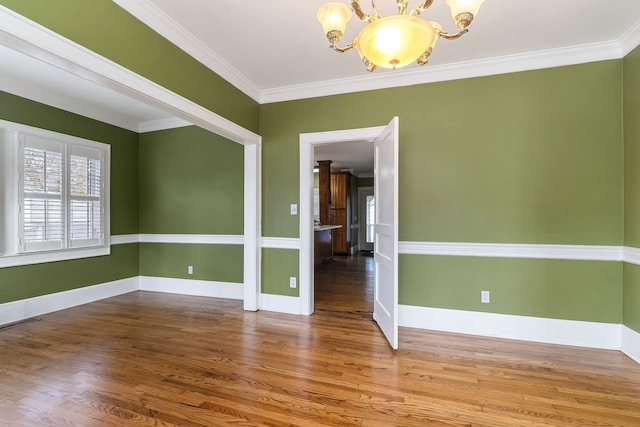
419	9
355	4
454	36
402	6
337	48
375	10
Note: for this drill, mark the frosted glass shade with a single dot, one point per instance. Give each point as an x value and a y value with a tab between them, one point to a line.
334	17
395	41
462	6
438	29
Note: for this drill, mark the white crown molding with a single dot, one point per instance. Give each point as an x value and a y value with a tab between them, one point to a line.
147	12
630	39
461	70
507	250
162	124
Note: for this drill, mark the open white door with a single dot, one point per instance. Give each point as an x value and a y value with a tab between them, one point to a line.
385	305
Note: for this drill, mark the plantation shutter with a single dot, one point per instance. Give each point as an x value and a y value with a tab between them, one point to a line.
42	207
86	187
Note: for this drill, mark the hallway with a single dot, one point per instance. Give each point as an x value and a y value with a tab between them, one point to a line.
344	286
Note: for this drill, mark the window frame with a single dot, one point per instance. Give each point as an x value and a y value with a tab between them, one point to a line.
13	248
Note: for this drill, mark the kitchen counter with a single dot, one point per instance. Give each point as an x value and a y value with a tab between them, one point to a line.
325	227
322	245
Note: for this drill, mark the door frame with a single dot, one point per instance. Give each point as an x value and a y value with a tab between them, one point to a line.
307	143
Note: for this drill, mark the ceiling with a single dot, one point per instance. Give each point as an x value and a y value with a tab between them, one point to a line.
355	157
276	51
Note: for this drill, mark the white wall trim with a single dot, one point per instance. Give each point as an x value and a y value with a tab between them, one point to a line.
202	288
252	255
631	255
631	343
207	239
280	304
512	250
552	331
53	256
150	14
626	254
125	239
280	242
307	143
16	311
162	124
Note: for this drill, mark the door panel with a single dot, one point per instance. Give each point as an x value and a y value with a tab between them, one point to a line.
385	310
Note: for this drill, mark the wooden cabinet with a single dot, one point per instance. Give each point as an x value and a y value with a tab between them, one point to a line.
341	211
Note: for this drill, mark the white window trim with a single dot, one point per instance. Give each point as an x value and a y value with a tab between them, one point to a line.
10	255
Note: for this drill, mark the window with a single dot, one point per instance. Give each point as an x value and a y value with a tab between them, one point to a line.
56	196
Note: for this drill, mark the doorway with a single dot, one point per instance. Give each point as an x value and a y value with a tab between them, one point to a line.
308	141
367	212
385	142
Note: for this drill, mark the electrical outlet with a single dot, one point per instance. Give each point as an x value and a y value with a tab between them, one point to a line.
292	282
485	297
190	269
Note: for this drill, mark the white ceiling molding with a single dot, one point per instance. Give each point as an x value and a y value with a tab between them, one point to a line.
150	14
31	38
162	124
146	12
630	39
462	70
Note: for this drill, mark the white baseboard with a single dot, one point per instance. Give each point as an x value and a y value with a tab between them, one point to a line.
280	303
631	343
552	331
16	311
201	288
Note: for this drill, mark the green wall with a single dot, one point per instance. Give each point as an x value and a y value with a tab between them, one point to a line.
105	28
531	157
560	289
191	182
277	266
29	281
218	263
632	185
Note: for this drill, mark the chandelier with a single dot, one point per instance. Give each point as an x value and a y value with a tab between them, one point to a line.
394	41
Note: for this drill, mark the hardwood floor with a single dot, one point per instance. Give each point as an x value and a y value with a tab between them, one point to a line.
153	359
